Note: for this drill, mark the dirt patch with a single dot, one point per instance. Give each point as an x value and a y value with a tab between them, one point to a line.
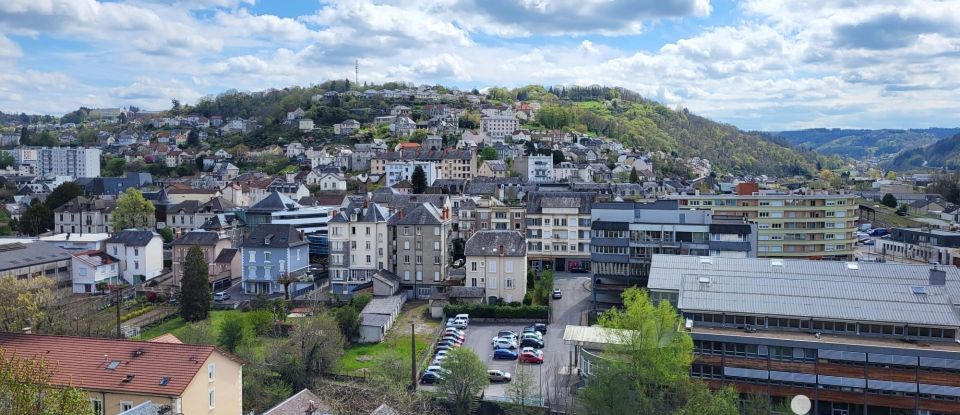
418	313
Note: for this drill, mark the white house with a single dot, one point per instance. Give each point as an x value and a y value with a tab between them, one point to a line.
347	127
332	181
140	254
306	125
400	170
89	268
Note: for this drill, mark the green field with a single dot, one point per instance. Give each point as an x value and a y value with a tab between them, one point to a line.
177	326
363	356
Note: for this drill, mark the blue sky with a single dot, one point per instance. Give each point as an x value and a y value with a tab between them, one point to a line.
757	64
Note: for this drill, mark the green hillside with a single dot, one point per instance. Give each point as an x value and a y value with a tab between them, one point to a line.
864	143
943	153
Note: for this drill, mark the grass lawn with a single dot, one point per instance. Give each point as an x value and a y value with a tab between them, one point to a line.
176	326
362	356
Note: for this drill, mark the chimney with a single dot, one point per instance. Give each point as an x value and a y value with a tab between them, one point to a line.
501	250
365	203
938	277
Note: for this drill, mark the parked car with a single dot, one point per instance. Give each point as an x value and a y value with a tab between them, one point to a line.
531	342
505	354
534	334
506	333
465	317
557	294
528	356
498	376
869	242
455	339
221	296
429	378
457	323
451	343
454	331
436	369
444	347
879	232
504	343
542	328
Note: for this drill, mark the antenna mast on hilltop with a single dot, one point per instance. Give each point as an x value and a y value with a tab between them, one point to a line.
356	72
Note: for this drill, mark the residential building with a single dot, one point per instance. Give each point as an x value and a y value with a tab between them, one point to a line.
89	269
494	168
191	214
500	125
402	170
489	213
22	260
558	230
419	235
534	169
118	375
812	226
359	245
497	261
346	127
77	242
306	125
332	182
181	194
72	162
140	254
223	263
272	253
453	163
626	235
854	337
83	215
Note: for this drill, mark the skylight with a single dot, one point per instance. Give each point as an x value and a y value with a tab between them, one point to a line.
113	365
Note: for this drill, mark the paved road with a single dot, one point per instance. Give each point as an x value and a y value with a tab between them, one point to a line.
566	311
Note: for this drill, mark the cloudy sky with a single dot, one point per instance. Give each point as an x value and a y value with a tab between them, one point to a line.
758	64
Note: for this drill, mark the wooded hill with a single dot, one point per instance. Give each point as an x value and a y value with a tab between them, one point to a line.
941	154
859	143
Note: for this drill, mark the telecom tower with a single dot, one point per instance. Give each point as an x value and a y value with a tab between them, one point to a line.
356	72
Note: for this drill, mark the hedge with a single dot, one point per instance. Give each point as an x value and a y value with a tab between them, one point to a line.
498	311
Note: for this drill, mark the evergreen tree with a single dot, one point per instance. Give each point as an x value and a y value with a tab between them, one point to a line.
634	177
36	219
889	200
419	179
193	138
63	194
195	300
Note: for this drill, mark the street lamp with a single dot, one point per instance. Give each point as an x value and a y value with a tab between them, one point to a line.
413	357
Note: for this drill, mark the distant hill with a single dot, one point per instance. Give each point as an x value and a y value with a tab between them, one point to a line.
641	123
943	153
864	143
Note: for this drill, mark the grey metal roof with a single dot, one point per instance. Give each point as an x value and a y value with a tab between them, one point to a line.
850	291
274	235
422	214
275	202
538	200
466	292
383	305
131	237
373	212
19	255
198	238
486	243
375	320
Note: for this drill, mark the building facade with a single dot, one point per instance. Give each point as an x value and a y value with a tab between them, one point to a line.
140	254
68	161
790	225
497	261
84	215
272	253
626	235
856	338
359	246
499	126
534	169
558	230
420	236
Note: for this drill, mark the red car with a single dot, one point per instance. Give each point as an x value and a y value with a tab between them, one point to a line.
531	357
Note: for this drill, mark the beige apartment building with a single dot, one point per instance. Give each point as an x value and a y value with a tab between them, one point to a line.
121	374
452	163
811	226
558	230
497	261
420	237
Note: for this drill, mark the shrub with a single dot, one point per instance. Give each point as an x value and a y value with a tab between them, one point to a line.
359	301
527	299
261	321
497	311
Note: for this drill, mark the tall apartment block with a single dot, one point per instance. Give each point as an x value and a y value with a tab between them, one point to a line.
811	226
856	338
626	235
558	230
68	161
359	245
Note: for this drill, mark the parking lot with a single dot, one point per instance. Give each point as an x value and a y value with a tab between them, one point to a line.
478	339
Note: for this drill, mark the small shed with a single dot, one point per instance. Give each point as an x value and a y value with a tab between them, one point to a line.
378	316
466	295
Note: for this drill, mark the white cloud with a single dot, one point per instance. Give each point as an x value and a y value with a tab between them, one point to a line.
9	50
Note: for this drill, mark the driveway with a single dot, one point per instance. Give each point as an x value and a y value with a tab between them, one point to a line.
565	311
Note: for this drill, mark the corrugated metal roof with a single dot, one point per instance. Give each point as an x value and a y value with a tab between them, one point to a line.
592	335
869	292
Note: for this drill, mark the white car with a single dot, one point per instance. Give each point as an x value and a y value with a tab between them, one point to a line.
457	323
498	376
502	343
435	369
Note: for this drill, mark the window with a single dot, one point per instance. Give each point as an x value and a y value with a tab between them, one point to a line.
419	259
419	275
508	267
298	255
253	256
436	246
436	276
368	259
436	260
252	272
125	406
473	266
436	231
508	283
406	275
136	264
419	230
211	371
406	259
406	244
368	245
136	251
212	398
97	406
419	245
493	266
492	282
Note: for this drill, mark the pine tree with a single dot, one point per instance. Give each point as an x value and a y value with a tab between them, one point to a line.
419	179
195	300
634	177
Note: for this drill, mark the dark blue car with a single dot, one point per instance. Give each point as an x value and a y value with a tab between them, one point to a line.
505	354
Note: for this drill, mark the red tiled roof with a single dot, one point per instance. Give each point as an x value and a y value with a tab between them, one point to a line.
166	338
83	362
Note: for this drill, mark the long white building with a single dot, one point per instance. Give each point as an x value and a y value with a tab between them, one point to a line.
68	161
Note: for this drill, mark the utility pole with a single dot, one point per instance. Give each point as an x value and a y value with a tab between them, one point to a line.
413	358
117	289
356	72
